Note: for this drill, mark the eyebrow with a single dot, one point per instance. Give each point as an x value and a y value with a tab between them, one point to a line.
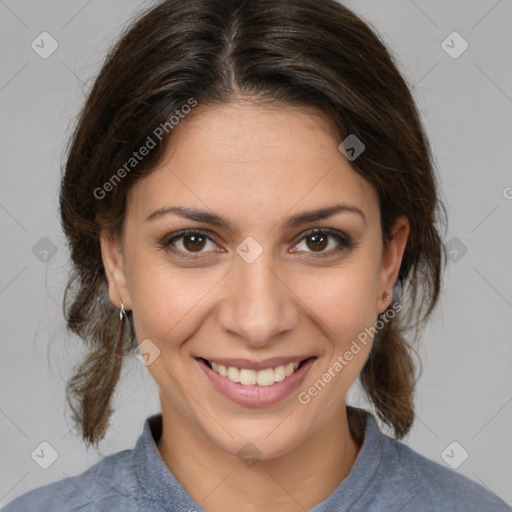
293	221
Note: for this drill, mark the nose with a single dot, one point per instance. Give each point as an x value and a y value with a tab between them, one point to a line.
258	304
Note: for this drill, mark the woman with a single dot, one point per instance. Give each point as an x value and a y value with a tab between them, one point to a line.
249	200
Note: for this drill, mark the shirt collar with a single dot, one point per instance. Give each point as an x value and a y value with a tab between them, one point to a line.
156	480
363	479
159	484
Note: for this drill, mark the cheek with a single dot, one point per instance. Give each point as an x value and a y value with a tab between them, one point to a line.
343	302
167	301
342	298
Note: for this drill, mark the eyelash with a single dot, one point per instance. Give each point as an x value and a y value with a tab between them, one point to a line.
344	241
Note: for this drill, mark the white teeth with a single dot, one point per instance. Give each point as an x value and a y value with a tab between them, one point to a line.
234	374
247	377
265	377
279	374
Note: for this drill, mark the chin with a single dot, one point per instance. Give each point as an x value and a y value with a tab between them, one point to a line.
266	440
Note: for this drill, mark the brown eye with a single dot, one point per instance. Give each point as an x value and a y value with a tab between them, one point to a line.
318	241
193	242
324	242
189	243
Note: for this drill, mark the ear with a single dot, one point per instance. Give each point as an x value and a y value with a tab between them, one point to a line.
391	261
112	255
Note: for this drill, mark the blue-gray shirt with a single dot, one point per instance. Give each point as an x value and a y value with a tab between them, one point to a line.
386	476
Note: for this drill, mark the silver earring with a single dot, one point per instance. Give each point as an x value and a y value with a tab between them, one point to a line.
121	311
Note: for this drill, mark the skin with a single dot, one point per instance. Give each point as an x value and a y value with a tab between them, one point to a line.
255	167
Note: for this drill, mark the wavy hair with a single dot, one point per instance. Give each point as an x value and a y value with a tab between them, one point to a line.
284	52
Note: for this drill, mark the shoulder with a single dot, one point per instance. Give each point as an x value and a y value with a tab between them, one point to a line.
432	486
107	485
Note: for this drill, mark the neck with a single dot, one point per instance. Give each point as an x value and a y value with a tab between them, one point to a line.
297	480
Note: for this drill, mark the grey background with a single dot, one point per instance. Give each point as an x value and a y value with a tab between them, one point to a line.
465	393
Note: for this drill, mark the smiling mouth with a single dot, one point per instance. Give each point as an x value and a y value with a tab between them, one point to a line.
250	377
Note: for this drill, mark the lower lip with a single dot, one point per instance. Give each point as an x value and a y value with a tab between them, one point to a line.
257	395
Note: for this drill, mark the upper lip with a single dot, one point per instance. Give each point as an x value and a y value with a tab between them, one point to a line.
261	364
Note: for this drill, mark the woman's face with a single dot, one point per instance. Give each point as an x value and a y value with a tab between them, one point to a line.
255	290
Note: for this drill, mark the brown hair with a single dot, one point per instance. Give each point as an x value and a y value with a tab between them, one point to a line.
287	52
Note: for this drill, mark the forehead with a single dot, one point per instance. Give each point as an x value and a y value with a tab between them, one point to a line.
246	160
245	137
